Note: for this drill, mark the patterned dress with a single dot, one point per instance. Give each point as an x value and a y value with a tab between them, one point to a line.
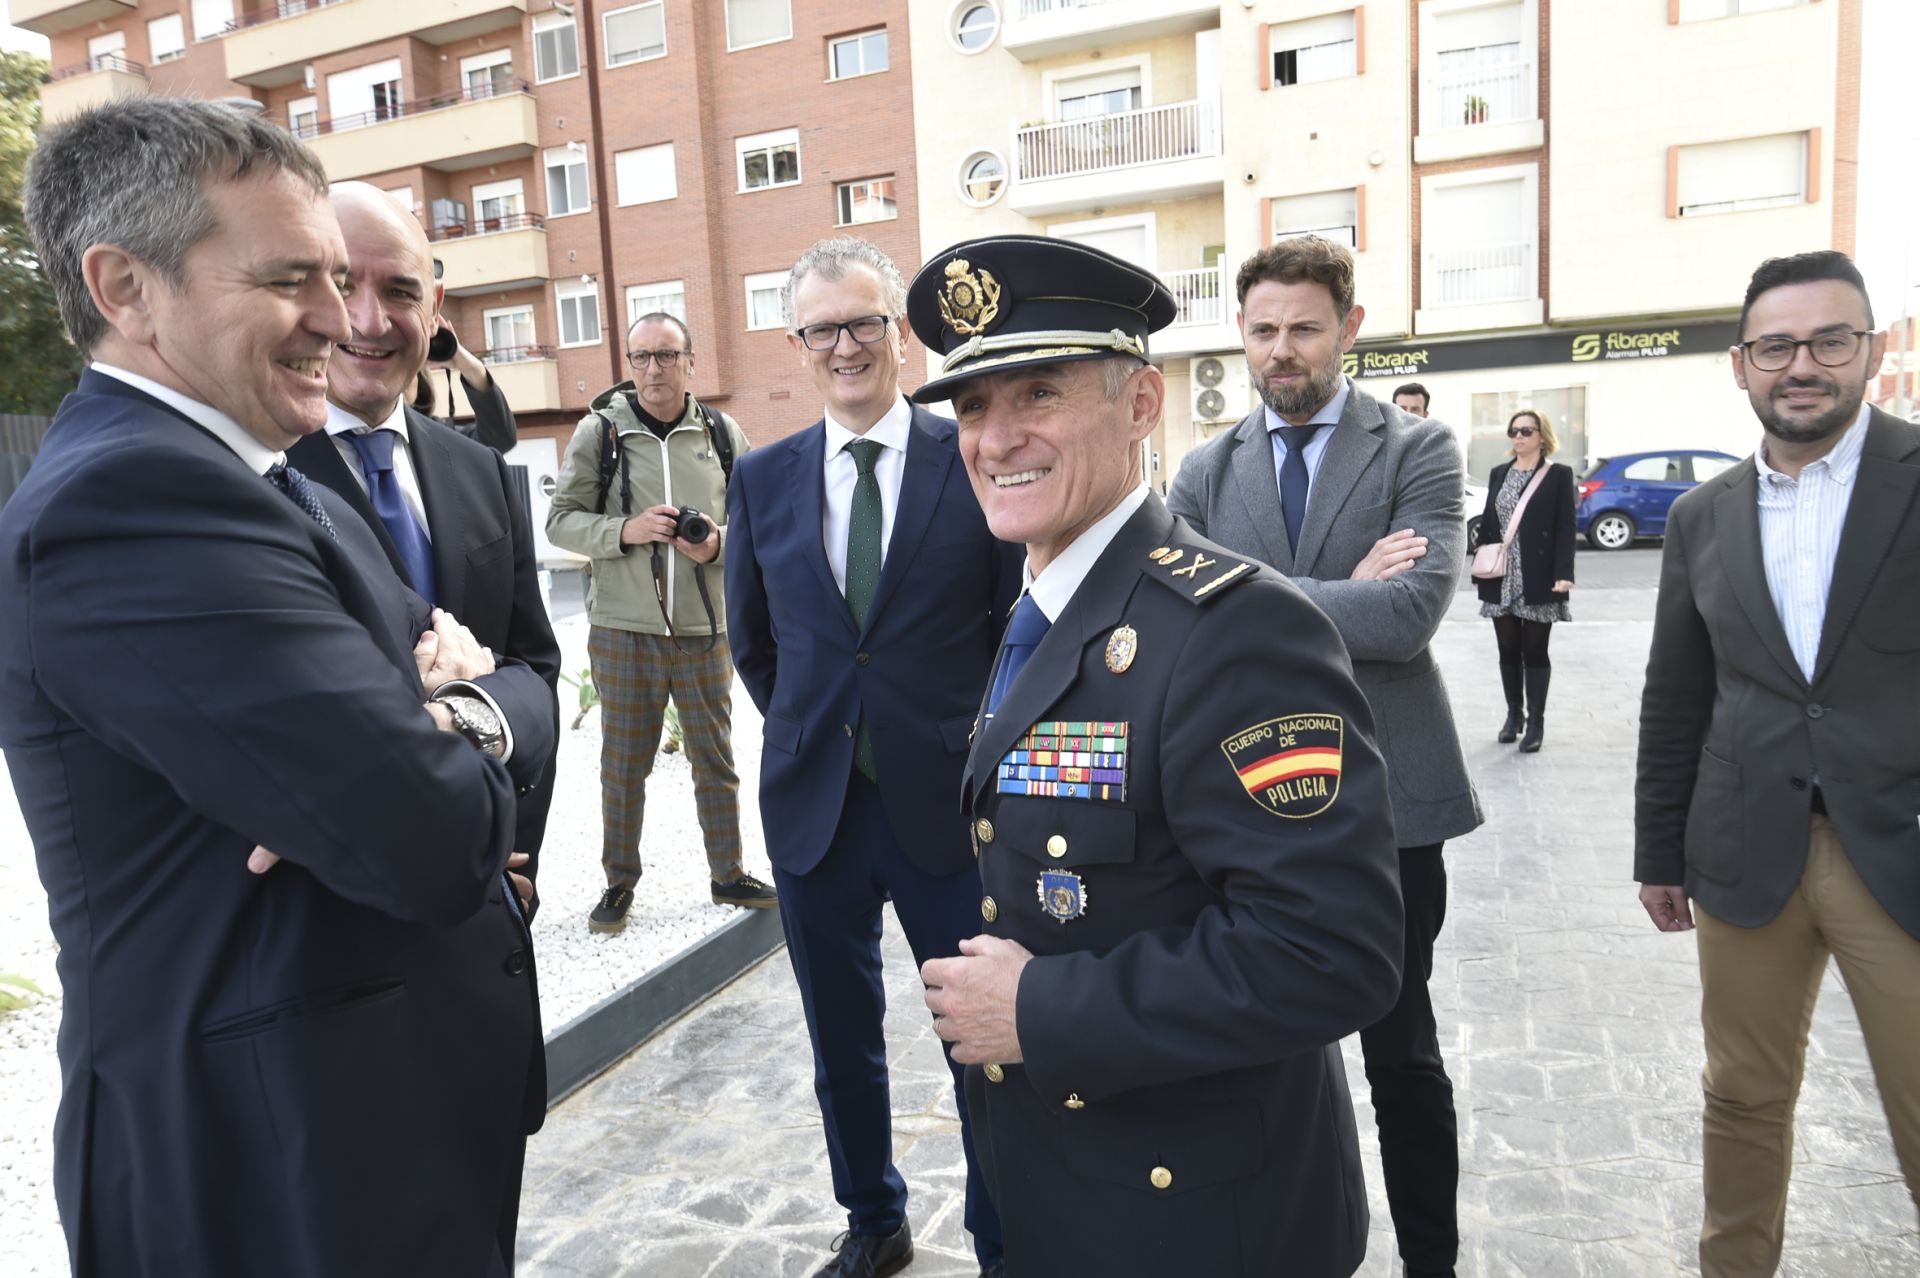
1513	591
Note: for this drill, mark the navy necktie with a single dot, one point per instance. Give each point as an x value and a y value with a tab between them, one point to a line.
1294	481
1024	633
295	486
383	493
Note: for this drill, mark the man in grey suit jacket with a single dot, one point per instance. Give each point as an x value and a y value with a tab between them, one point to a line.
1359	503
1779	764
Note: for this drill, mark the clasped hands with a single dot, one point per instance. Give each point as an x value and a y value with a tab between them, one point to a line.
445	654
973	999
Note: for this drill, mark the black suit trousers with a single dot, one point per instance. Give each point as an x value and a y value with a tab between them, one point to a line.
1412	1096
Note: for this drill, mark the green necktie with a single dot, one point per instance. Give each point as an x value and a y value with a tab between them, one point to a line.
863	566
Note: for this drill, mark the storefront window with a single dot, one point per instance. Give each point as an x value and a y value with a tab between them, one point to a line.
1563	406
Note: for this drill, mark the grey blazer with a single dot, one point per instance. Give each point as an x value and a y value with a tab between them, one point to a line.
1384	470
1733	735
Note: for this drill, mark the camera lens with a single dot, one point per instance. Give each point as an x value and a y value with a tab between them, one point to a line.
692	526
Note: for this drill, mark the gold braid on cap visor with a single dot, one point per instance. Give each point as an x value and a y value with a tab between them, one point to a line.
1030	346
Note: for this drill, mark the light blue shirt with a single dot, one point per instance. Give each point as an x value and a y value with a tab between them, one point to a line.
1329	415
1800	525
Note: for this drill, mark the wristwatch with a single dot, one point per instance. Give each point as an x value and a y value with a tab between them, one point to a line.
475	720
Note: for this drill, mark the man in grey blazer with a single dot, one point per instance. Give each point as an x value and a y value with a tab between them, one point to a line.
1779	767
1359	503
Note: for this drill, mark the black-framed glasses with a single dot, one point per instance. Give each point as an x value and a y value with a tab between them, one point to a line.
1829	350
866	330
665	359
1522	432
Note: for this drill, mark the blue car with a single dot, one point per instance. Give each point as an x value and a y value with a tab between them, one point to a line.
1628	496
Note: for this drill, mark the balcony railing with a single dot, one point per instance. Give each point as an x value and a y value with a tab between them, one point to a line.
488	226
275	12
1146	135
515	354
104	62
1489	273
1484	95
1199	295
473	93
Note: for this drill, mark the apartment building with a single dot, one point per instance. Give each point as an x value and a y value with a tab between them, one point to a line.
1553	204
576	164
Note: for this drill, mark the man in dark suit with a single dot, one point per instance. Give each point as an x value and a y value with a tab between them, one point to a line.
329	1068
1358	503
443	506
865	596
1779	745
1184	834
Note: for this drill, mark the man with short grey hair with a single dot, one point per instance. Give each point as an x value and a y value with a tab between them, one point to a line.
866	595
329	1068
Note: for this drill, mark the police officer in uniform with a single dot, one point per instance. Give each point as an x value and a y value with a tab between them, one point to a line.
1191	890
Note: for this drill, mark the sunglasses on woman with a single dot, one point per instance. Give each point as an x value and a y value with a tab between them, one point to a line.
1522	432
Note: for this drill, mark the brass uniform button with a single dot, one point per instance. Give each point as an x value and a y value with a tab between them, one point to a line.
988	910
1057	846
995	1074
983	828
1161	1178
1074	1101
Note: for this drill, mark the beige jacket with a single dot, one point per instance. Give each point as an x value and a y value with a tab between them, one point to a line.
680	470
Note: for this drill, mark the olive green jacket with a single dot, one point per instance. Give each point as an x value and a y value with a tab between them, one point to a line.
680	470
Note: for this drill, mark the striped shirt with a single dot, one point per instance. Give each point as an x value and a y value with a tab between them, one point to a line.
1800	523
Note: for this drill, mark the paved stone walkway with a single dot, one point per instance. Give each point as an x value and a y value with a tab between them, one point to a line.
1570	1026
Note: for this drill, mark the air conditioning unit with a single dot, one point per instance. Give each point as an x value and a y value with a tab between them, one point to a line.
1221	389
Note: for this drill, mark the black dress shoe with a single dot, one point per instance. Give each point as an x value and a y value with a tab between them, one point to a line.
870	1255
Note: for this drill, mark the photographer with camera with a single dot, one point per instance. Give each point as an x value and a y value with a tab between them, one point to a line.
642	494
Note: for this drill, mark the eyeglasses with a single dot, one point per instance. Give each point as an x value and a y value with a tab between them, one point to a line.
1830	350
665	359
1522	432
866	330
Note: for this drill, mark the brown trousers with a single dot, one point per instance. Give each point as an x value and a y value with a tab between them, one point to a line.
1758	987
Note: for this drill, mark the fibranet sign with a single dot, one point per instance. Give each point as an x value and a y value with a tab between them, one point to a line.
1572	346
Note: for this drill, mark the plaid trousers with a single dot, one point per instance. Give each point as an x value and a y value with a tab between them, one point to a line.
635	674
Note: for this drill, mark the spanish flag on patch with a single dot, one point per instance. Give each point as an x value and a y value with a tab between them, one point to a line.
1290	765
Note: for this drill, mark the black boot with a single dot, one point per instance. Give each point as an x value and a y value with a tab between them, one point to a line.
1537	681
1510	680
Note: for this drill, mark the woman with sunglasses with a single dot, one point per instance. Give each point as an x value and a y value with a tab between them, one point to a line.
1526	602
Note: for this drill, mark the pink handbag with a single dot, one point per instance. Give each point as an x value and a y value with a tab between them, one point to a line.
1490	562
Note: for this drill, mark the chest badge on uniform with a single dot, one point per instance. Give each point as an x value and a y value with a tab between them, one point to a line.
1122	646
1061	759
1291	765
1062	895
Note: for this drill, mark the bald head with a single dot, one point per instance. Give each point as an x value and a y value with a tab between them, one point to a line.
393	303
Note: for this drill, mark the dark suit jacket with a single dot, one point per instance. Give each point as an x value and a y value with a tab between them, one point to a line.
482	554
1383	470
1545	540
1732	734
328	1069
917	671
1235	928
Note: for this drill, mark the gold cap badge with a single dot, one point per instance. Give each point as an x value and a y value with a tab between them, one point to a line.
970	300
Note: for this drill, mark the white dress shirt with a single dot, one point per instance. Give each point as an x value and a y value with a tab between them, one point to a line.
1329	415
258	457
839	473
341	423
1800	523
1058	582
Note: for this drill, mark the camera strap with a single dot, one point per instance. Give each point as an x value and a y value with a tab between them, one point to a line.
706	600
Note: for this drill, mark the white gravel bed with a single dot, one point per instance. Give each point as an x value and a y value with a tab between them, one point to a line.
578	968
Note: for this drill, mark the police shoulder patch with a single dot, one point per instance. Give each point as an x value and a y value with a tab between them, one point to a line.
1289	765
1196	575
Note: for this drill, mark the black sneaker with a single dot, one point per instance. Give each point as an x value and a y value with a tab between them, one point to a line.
746	892
611	914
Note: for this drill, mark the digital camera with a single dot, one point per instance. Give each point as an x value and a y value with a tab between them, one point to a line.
692	526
